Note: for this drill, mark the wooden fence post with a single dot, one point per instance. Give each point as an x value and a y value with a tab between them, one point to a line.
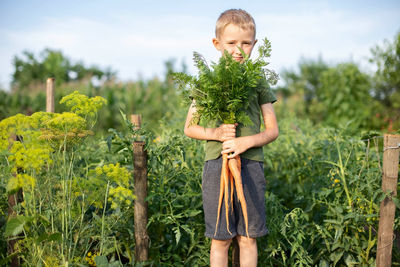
13	200
50	95
387	212
140	181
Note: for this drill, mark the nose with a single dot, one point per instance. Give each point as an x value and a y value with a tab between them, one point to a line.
237	50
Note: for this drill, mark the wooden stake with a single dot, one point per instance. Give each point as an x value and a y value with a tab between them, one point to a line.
13	200
388	209
140	178
50	95
136	120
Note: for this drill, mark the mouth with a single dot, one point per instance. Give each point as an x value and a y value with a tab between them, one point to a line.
238	58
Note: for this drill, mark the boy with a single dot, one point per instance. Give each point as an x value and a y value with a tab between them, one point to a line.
236	28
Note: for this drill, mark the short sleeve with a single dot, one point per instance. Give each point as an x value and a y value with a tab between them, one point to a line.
265	94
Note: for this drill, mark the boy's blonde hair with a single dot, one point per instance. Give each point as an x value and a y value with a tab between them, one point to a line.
238	17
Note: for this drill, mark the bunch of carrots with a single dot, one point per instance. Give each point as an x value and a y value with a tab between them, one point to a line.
231	173
221	93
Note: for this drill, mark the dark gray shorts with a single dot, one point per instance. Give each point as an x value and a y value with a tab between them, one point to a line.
254	186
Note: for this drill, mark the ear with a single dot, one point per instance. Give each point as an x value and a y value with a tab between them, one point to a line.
216	44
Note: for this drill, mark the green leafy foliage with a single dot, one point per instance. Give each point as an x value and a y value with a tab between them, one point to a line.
62	215
332	180
343	95
221	92
133	97
323	183
30	69
386	81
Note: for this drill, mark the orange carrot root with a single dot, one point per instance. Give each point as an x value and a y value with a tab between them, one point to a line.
223	192
221	195
231	182
234	165
225	171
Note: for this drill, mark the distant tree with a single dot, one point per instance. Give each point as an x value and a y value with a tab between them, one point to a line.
333	94
343	96
29	69
386	86
305	82
386	82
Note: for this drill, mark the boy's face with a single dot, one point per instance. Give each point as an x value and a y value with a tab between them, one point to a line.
233	37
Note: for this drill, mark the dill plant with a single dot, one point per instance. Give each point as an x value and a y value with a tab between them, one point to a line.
48	163
221	91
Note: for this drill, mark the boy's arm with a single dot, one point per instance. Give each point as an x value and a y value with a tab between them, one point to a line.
222	133
241	144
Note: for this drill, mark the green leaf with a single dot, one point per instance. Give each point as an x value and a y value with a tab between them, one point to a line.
55	237
101	261
323	263
42	237
193	213
329	221
396	202
177	234
350	261
336	256
15	226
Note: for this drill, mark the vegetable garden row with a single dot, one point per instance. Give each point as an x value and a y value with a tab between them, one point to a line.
322	200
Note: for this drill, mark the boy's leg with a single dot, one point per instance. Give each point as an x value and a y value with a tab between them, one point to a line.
219	252
248	251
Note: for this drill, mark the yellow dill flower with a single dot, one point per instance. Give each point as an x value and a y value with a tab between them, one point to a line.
119	177
90	258
158	139
82	105
38	119
12	126
336	181
66	122
21	180
31	156
117	174
120	195
98	171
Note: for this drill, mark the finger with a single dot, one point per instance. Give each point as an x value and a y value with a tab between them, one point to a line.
228	148
229	126
229	135
229	130
227	138
227	144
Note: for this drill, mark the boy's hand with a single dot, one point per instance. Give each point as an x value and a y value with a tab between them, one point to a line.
236	146
226	132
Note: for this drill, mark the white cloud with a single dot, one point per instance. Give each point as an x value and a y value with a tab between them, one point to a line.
335	35
140	44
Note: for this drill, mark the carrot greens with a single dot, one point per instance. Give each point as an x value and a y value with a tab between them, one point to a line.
221	91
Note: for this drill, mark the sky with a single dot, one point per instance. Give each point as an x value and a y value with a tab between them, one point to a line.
136	38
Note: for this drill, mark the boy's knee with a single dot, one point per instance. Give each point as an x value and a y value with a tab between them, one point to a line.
245	241
221	244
